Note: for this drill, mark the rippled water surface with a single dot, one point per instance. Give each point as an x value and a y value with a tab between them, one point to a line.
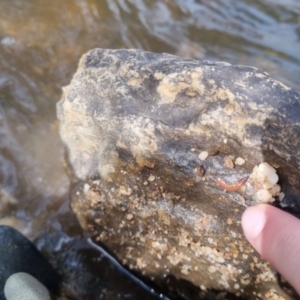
40	45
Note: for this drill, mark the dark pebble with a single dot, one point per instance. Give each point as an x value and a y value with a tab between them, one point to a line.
18	254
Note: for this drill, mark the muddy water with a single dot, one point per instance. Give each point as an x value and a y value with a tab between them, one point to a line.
40	44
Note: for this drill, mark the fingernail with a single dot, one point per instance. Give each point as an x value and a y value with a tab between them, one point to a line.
253	222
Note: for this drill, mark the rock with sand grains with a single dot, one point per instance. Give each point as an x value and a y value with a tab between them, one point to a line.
135	126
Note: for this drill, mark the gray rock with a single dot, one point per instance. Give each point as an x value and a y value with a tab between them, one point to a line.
134	124
23	286
18	254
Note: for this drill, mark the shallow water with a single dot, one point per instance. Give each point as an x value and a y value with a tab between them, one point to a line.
40	45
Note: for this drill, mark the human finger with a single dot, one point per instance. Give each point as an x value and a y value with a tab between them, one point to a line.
275	234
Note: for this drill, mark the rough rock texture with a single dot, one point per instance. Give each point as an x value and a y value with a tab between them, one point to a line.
135	124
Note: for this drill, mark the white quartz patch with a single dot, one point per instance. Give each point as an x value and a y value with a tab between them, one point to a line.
264	181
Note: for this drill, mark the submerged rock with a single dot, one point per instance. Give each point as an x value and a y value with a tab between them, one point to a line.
149	139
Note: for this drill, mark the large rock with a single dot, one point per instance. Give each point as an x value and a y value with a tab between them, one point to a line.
137	127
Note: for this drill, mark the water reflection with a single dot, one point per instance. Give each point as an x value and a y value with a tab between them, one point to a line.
41	43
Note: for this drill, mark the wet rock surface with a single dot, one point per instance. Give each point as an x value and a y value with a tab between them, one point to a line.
19	256
87	271
147	138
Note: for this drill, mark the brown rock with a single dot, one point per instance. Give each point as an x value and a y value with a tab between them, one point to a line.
129	115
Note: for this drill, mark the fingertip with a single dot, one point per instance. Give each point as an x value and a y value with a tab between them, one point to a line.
253	223
275	235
